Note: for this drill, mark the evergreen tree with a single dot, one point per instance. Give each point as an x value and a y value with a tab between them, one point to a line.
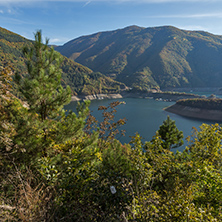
169	133
42	90
42	87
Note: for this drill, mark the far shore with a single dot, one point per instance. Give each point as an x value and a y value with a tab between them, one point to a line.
97	97
197	113
215	115
166	96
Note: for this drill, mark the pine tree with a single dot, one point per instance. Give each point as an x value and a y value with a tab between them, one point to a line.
42	90
169	133
42	87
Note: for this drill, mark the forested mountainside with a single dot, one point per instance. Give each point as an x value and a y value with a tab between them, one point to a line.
81	79
151	57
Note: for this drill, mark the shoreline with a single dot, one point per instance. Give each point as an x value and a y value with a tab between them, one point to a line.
96	97
197	113
166	96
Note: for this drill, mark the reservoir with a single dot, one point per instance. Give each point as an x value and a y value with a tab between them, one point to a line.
143	116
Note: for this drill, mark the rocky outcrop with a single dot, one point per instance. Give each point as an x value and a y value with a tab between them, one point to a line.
207	114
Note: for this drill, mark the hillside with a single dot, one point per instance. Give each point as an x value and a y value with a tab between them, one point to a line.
164	57
81	79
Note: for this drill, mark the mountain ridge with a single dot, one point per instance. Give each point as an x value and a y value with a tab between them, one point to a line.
82	80
144	58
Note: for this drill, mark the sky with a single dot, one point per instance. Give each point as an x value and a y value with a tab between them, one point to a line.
64	20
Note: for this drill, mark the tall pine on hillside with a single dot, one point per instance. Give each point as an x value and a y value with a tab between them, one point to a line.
41	89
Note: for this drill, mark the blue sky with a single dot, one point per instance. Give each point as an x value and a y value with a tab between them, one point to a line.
63	20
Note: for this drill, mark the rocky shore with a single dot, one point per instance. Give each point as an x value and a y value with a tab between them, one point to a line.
207	114
97	96
149	95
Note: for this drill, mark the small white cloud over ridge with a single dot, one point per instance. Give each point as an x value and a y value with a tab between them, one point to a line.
57	41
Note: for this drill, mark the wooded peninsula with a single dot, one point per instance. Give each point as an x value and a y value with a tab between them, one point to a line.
208	109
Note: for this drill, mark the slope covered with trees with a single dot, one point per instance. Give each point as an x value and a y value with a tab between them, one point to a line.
211	104
143	58
57	167
81	79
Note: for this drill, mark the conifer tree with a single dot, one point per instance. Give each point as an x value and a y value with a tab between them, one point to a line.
42	90
169	133
42	87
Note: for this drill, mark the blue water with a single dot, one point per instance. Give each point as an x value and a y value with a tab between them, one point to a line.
144	116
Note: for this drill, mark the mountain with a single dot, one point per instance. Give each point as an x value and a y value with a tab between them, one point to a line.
82	80
143	58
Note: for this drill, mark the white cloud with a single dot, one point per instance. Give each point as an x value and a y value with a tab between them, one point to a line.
86	1
205	15
57	40
192	16
1	11
192	27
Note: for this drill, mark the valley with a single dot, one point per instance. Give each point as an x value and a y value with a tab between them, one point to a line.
134	58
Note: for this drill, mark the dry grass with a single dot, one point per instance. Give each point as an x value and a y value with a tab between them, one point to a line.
31	201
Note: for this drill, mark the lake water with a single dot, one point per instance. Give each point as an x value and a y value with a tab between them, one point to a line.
144	116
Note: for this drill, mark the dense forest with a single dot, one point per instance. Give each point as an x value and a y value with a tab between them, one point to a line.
59	166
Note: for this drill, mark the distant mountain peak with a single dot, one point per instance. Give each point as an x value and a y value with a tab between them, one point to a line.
143	58
133	27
